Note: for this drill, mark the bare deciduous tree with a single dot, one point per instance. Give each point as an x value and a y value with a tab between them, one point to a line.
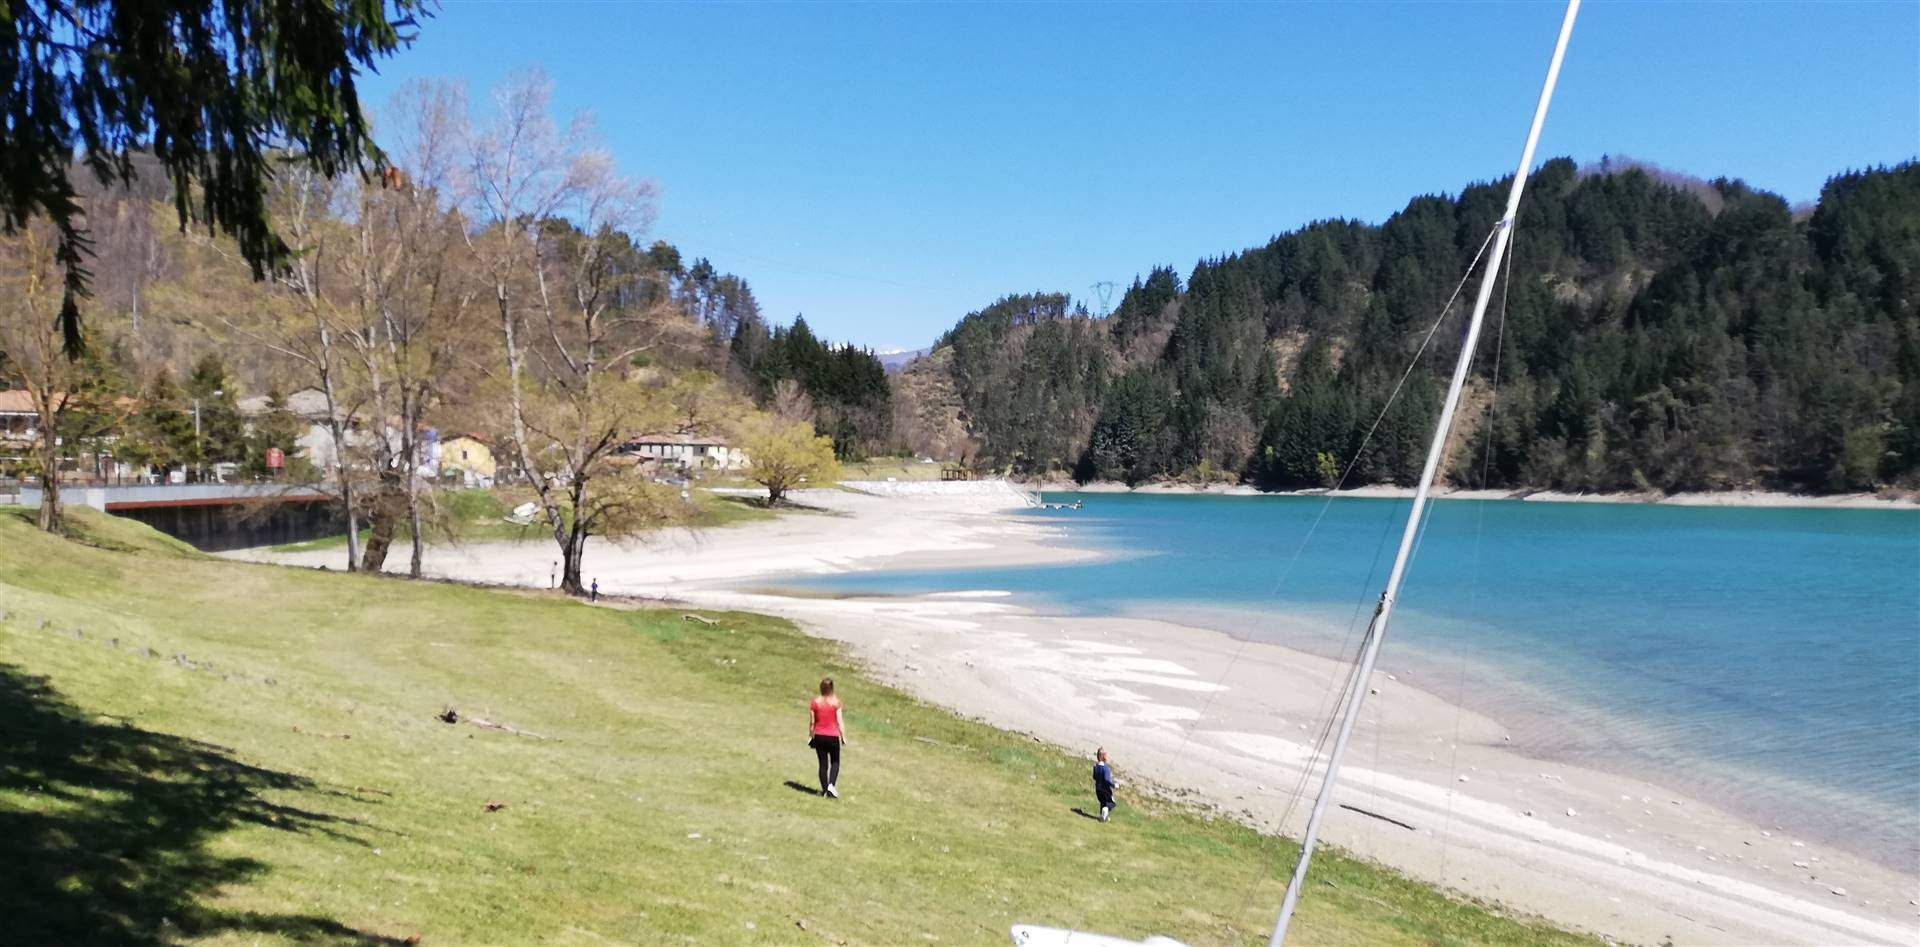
69	401
554	235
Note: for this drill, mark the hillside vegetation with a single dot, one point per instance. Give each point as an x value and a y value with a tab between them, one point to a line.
195	750
1656	333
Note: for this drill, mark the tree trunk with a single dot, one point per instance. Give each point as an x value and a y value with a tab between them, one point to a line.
410	471
49	450
337	427
388	504
413	518
576	550
49	516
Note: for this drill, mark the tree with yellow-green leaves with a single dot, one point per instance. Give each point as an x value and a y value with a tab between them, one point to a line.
782	454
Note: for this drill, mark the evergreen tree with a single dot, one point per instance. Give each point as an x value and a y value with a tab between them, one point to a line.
1656	333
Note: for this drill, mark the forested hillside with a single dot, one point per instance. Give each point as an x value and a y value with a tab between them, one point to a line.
1657	333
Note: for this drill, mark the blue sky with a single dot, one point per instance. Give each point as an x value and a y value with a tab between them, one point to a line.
885	168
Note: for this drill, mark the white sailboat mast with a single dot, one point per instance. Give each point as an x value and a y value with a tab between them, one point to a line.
1377	629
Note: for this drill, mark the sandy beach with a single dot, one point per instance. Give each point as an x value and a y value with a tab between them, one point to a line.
1432	790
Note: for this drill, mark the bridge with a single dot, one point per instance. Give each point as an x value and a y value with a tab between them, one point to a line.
210	516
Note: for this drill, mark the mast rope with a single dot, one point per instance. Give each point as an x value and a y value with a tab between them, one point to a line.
1473	572
1327	504
1347	682
1331	698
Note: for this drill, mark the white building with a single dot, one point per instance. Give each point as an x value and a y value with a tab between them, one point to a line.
310	405
688	451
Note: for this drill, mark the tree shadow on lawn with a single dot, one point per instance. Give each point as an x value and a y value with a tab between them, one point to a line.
117	851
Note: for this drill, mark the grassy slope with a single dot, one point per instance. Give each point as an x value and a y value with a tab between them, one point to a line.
300	789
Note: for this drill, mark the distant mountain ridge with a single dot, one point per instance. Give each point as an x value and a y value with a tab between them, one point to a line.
1660	332
894	360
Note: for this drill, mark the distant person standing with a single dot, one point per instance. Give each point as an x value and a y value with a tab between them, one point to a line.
826	735
553	576
595	594
1103	782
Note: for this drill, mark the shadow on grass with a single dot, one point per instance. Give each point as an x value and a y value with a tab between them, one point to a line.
1084	814
112	845
802	787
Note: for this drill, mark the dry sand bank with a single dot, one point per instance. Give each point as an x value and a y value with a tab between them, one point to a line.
1231	723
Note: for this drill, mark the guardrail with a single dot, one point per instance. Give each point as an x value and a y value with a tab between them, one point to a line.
109	498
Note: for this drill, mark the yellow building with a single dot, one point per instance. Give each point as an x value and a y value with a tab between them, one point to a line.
467	458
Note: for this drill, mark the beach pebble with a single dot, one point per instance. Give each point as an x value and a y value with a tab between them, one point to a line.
1765	834
1463	779
1392	678
1571	813
1801	865
1799	845
1840	891
1527	812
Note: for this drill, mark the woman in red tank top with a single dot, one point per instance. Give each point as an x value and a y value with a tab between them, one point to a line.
825	736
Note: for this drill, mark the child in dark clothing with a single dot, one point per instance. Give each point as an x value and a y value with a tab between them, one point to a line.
1103	782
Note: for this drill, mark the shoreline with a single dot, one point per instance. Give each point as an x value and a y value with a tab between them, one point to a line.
1227	723
1747	499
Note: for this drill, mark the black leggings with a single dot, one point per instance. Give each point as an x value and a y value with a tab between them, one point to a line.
828	750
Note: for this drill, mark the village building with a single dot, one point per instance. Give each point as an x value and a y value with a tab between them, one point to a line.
467	460
18	420
309	404
688	452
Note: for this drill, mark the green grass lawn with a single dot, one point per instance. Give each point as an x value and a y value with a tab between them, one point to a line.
195	750
481	522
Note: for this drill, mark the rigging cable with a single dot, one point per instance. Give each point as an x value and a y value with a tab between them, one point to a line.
1325	709
1473	587
1327	503
1319	744
1352	677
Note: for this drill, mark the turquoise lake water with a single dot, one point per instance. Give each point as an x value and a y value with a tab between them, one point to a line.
1766	660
